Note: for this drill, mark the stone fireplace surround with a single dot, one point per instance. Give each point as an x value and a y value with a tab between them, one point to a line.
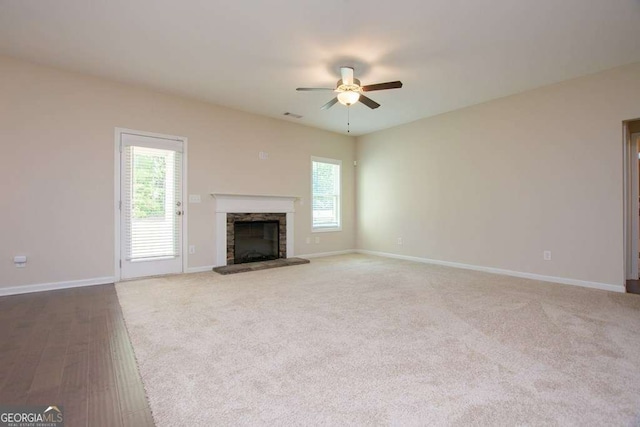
232	218
251	204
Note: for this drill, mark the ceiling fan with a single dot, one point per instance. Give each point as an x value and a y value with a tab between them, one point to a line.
349	90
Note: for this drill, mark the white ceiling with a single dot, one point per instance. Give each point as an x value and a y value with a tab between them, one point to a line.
251	55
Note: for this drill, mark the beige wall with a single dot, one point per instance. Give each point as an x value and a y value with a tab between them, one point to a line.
57	169
491	185
496	184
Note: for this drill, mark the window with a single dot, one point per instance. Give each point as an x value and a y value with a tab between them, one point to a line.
325	194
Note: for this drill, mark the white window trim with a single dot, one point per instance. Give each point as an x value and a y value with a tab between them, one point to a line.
326	229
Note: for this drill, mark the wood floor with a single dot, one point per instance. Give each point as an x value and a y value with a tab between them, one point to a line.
71	348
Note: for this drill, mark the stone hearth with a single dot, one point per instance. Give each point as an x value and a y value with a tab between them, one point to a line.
255	266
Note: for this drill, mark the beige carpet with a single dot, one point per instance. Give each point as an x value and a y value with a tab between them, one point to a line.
360	340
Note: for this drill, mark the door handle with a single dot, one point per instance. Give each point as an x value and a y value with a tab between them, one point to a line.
178	212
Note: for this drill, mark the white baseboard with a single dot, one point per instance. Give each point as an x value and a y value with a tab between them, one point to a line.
563	280
200	269
323	254
41	287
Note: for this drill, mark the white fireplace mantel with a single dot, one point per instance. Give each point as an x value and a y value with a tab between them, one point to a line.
249	203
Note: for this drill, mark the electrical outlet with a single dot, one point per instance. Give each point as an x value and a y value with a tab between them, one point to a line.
317	239
546	255
308	240
192	249
263	155
20	261
399	240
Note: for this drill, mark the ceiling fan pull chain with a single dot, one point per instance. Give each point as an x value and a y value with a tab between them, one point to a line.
348	118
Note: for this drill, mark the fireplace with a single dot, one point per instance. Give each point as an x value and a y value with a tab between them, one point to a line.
253	237
232	208
255	241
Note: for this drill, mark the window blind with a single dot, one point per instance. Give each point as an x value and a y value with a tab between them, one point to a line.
152	197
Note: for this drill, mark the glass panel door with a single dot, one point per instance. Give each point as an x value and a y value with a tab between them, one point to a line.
152	207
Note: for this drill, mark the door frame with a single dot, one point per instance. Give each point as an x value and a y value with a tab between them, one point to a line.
117	202
631	195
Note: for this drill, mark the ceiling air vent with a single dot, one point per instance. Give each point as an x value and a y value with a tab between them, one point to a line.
295	116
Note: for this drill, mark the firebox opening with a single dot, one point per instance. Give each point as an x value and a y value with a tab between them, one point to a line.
256	241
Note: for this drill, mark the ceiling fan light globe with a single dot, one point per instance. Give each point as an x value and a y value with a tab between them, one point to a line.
348	98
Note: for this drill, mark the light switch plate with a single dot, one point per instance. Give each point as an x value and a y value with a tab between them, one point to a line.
194	198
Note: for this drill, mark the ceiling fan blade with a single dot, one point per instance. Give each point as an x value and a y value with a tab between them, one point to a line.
347	75
382	86
369	102
329	104
314	88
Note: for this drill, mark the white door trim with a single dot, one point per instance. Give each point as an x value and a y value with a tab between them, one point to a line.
116	205
633	206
